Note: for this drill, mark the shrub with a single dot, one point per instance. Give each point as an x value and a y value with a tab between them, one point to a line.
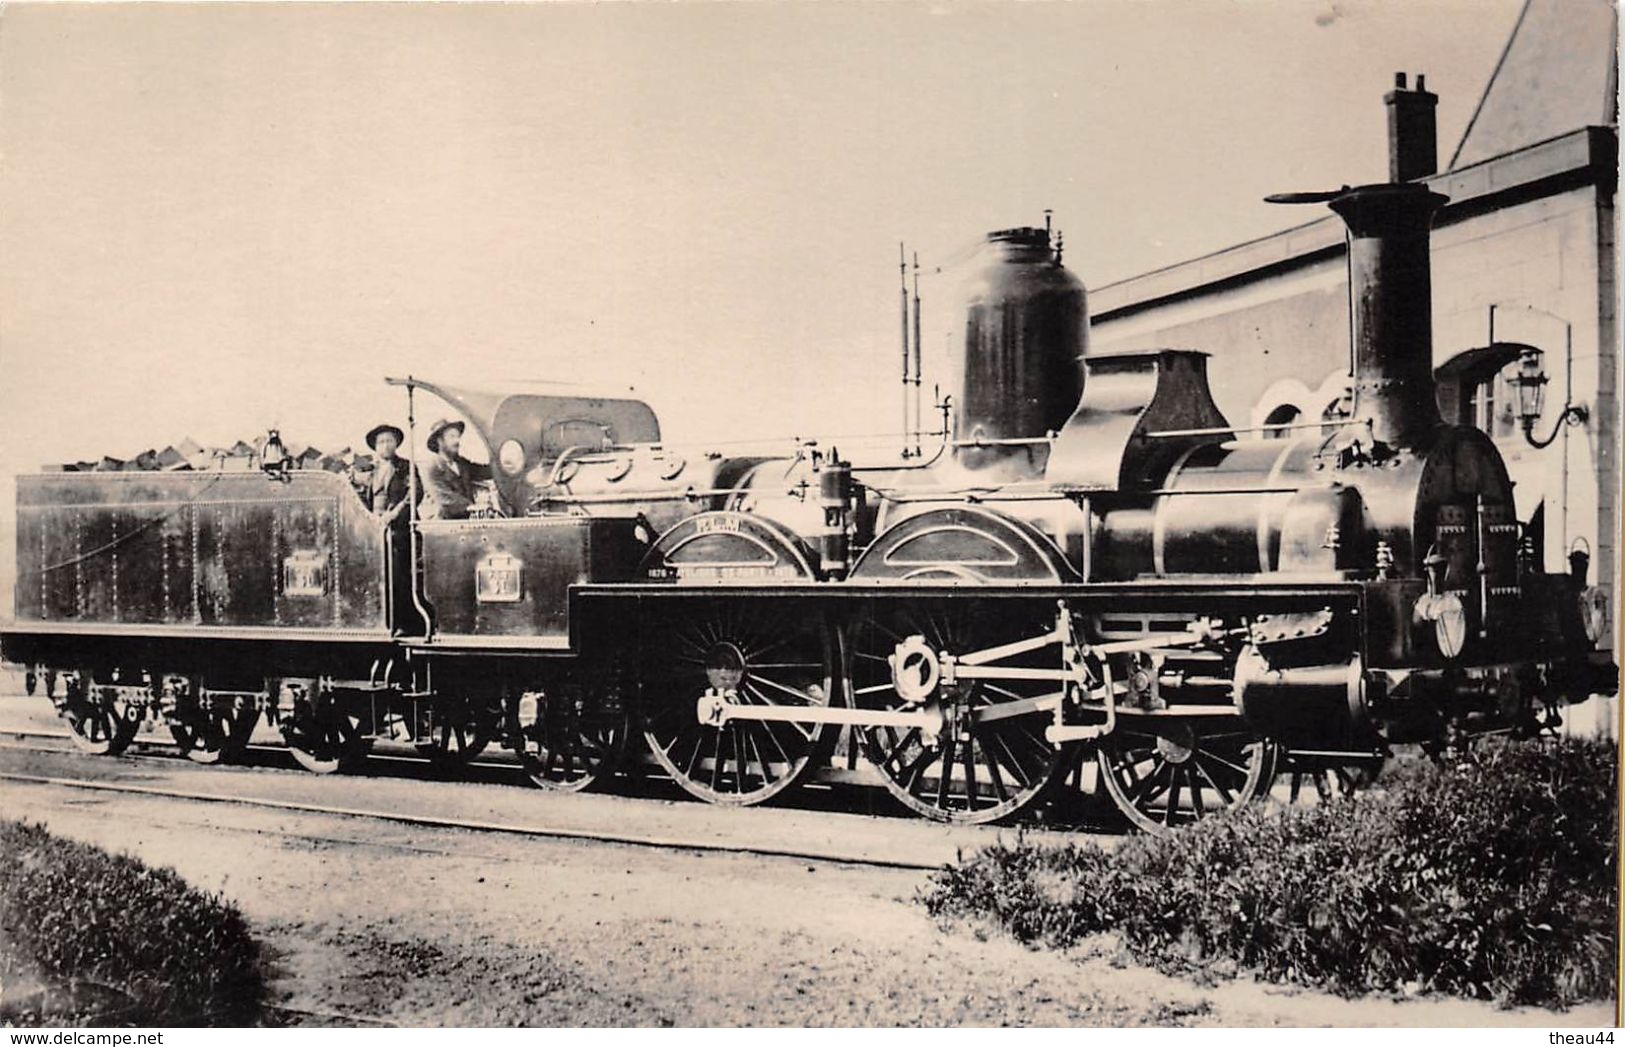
115	941
1493	877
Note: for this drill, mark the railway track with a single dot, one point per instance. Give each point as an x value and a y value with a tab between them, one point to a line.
828	824
163	748
821	809
300	1015
844	771
668	842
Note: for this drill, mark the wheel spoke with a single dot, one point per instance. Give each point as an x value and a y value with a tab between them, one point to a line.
993	772
1141	791
916	769
807	731
1173	794
761	759
693	760
945	772
1229	798
1017	770
716	759
969	746
1241	772
784	757
897	746
799	695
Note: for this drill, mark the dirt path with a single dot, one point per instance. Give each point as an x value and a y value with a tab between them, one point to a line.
430	927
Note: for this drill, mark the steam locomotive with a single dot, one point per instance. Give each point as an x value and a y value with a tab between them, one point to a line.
1094	566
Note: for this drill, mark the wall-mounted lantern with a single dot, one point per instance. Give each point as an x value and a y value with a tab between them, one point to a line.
1530	381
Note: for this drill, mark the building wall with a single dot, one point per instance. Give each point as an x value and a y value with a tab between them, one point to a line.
1541	264
1284	335
1281	336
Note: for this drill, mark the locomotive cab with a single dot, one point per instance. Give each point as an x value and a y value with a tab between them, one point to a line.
501	577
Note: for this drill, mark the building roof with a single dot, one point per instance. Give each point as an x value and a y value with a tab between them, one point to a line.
1584	156
1544	122
1558	72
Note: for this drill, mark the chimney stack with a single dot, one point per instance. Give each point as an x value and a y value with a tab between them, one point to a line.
1390	293
1413	136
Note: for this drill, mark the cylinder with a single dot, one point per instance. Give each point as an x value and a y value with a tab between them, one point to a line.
1391	308
1026	330
1305	707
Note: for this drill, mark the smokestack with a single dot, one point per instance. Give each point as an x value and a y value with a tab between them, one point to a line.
1391	297
1413	138
1390	275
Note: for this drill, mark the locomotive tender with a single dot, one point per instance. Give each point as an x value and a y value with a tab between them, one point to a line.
1095	566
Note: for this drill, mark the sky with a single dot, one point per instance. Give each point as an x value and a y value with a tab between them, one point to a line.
215	219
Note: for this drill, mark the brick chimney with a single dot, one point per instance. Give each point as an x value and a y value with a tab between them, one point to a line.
1413	137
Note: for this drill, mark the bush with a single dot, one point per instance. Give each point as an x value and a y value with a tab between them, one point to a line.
1492	878
113	941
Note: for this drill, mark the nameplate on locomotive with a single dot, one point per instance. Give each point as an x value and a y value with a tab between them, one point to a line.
499	578
725	572
717	525
304	573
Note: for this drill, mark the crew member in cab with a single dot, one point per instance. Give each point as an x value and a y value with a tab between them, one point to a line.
387	493
450	479
391	480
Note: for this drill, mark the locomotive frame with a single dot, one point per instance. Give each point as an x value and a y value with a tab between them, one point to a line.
1096	566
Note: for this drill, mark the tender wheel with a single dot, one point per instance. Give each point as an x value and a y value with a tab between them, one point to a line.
573	741
457	733
96	718
323	741
989	758
30	682
754	656
1306	779
1175	771
213	731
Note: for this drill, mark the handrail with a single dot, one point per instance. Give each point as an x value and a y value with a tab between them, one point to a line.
1230	430
1007	441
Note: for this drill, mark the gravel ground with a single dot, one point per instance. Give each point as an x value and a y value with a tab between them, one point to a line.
446	927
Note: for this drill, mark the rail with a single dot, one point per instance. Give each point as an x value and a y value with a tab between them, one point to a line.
697	841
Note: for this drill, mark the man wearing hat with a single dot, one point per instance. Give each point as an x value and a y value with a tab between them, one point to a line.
450	478
385	491
391	479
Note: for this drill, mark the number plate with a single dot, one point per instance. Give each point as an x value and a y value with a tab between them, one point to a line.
304	574
499	578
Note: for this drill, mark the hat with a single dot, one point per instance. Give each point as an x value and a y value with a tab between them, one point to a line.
380	430
433	440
